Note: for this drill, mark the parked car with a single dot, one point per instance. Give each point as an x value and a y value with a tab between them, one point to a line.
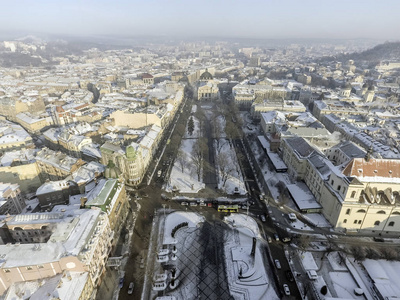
292	216
269	239
278	264
289	275
159	172
193	204
276	237
184	203
130	288
121	282
286	289
262	217
286	239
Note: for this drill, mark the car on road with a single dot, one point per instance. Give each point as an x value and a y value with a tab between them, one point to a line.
159	172
269	239
121	282
289	275
286	289
286	239
130	288
184	203
141	263
262	217
278	264
202	203
193	204
292	216
276	237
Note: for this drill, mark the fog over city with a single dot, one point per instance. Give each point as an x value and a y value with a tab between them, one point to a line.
212	149
252	18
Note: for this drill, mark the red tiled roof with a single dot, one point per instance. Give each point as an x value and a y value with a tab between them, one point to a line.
374	167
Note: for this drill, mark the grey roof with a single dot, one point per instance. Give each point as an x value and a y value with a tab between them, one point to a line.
321	165
300	146
351	150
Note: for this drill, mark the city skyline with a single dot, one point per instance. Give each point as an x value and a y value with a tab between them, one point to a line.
250	19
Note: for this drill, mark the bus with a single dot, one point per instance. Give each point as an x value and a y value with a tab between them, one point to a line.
228	208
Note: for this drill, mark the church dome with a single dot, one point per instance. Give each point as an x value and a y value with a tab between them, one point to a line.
347	86
206	76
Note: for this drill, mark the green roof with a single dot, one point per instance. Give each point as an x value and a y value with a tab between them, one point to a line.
104	197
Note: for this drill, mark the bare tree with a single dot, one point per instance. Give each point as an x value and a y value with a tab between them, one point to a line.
303	242
182	159
225	167
199	149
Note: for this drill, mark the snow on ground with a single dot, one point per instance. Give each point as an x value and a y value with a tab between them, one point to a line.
299	225
247	276
196	132
344	285
318	220
176	218
235	178
334	260
185	182
241	220
308	261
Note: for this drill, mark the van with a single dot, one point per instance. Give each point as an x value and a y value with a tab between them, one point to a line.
312	274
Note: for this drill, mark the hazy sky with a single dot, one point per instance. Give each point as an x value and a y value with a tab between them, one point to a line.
378	19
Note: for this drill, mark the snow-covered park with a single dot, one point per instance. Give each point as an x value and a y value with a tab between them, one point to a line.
184	177
230	178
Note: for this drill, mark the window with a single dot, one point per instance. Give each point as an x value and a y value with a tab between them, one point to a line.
361	211
345	221
353	194
359	221
377	223
391	224
355	222
382	212
348	211
332	182
338	188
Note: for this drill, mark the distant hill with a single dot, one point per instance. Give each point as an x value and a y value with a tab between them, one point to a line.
386	51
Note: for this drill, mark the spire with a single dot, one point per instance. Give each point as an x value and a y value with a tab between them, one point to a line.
368	156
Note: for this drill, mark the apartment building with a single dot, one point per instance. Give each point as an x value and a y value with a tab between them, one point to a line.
54	165
11	201
76	241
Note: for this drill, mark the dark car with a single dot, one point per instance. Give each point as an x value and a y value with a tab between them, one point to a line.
121	282
289	275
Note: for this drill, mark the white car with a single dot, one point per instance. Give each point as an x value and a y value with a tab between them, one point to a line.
184	203
286	289
130	288
292	216
193	204
278	264
159	173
